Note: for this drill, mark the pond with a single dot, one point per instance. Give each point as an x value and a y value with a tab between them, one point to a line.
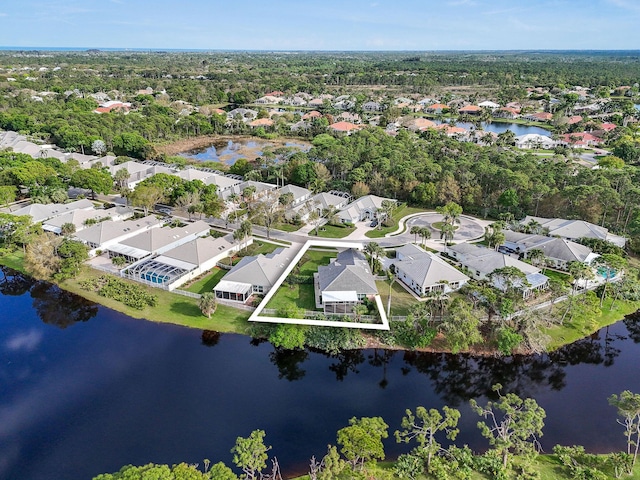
229	151
499	127
85	390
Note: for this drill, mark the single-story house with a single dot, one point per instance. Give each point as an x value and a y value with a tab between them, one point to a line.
558	251
575	229
534	140
344	127
470	110
424	272
482	262
183	262
344	283
539	117
157	240
82	219
253	274
363	208
39	212
489	104
300	194
104	234
372	107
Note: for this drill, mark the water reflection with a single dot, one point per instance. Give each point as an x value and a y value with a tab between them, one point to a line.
14	283
60	308
288	363
210	338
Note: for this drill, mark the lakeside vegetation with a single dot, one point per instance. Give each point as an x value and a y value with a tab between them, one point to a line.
512	425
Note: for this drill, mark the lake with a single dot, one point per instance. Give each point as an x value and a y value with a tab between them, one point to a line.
85	390
229	151
499	127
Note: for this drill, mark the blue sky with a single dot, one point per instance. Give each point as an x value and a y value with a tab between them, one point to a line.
322	25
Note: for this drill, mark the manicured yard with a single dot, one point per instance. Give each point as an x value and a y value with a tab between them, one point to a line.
401	300
312	259
287	227
332	231
557	275
206	283
171	308
397	215
300	295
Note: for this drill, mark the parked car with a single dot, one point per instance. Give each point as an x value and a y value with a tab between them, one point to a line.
374	223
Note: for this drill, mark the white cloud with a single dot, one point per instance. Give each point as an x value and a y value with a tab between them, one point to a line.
27	341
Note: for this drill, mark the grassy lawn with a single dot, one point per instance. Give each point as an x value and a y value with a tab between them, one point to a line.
397	215
206	283
171	308
401	300
582	327
14	260
286	227
438	226
332	231
301	295
312	259
558	275
262	247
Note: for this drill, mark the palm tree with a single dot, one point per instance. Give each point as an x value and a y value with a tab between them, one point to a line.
374	250
611	265
537	258
494	235
446	232
208	304
425	234
391	277
415	231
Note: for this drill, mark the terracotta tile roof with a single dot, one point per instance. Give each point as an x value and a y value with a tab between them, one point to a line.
311	114
261	122
344	127
437	106
470	108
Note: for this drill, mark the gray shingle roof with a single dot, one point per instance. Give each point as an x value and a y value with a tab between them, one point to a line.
261	269
348	272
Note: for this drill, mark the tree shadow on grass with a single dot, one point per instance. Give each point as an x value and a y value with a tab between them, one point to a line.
186	308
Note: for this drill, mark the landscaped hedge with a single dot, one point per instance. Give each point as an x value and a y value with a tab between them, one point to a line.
131	295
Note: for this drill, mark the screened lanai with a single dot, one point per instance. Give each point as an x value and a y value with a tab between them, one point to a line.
159	271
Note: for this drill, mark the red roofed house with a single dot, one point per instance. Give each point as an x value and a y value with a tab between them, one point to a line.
437	107
539	117
580	139
261	122
607	127
344	127
470	110
575	119
311	115
113	105
276	93
507	112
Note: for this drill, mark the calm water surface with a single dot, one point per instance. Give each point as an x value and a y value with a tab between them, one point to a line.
85	390
230	151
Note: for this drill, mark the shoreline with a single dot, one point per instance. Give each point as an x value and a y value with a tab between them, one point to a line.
194	143
231	320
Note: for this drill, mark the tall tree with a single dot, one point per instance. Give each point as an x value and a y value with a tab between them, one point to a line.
513	424
628	405
250	454
425	425
361	441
